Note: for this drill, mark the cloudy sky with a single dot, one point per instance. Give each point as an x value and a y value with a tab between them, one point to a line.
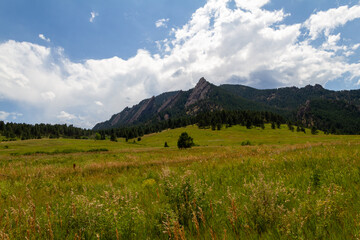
79	62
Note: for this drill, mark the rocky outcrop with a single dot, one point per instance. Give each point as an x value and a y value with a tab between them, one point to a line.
168	104
163	106
120	116
146	107
304	114
199	92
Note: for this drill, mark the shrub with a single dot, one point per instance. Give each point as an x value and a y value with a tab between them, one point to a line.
113	137
314	130
185	141
97	136
246	143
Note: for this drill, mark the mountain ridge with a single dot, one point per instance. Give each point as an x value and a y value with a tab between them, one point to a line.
206	96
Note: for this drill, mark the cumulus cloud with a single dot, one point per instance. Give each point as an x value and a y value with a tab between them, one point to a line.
66	116
246	44
326	21
42	36
93	15
48	95
251	4
6	116
162	23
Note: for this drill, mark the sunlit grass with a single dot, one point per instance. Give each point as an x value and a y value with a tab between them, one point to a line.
284	185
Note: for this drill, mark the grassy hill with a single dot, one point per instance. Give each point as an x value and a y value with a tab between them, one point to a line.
284	185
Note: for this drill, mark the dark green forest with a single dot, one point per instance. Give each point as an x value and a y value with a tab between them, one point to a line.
13	131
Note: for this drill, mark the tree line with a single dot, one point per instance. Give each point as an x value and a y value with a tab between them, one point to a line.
13	131
214	120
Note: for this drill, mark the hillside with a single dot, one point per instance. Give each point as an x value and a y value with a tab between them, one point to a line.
289	102
290	98
204	97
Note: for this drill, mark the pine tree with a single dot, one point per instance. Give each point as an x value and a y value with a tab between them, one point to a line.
314	130
185	141
113	137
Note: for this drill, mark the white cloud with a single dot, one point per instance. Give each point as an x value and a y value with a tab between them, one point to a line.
4	116
162	23
66	116
248	44
48	95
326	21
42	36
93	16
99	103
251	4
356	46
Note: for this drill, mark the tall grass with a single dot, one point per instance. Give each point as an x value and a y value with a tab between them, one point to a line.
269	191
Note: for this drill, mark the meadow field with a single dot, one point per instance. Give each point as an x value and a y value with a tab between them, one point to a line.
236	183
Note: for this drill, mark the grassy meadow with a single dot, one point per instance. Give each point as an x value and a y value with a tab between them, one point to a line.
284	185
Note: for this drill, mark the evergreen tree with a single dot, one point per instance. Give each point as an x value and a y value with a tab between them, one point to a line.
248	124
314	130
113	137
185	141
290	126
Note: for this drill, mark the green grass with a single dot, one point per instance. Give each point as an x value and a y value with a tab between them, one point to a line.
284	185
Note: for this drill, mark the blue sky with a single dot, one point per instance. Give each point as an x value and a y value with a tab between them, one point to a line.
79	62
119	29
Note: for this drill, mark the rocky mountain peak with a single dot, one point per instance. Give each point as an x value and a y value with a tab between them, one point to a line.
202	81
315	87
199	92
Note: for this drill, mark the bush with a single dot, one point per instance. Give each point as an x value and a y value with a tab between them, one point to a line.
314	130
97	136
246	143
185	141
113	137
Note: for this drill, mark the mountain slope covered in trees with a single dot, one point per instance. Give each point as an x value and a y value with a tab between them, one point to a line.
203	98
310	106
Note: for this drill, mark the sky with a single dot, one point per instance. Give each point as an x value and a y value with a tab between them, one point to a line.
80	62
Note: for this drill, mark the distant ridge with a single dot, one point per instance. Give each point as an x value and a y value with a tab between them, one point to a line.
306	105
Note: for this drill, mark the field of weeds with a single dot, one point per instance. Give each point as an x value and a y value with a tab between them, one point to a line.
284	185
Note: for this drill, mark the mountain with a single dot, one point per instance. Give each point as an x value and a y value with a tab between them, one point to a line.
334	116
290	98
310	105
204	97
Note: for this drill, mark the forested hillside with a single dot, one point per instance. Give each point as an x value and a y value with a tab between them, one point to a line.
311	106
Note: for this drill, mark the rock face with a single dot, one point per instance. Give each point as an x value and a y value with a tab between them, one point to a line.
304	114
145	108
162	107
168	104
200	92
